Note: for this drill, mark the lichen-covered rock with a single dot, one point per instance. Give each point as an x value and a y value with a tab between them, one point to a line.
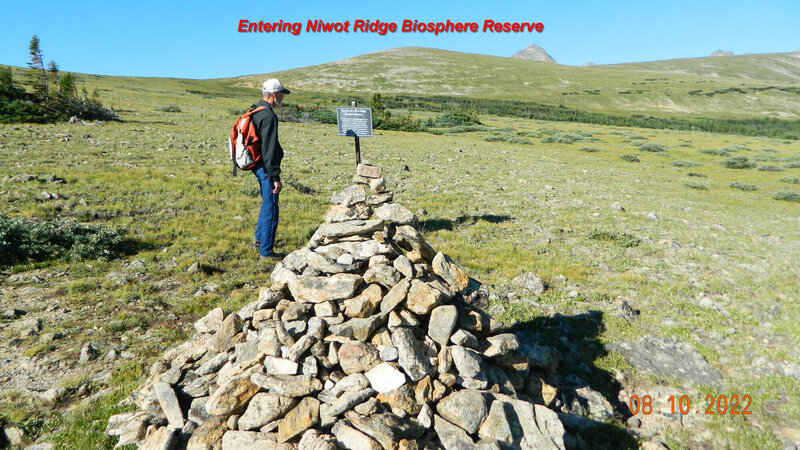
365	303
359	329
263	409
386	428
350	438
351	228
395	213
350	196
287	385
395	296
302	417
422	298
211	322
385	275
231	396
368	171
452	274
442	322
342	213
323	289
246	440
224	338
313	440
411	356
465	408
164	438
355	357
169	404
208	436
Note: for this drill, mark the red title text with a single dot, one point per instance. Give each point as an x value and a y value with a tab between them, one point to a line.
384	28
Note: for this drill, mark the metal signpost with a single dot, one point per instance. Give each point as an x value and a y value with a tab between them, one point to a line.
356	122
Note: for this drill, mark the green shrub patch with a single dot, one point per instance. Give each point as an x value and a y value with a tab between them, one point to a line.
788	196
618	238
738	162
743	186
25	240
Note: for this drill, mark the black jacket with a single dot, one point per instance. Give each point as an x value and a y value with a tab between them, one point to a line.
266	122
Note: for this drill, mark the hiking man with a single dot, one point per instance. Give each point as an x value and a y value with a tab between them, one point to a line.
268	170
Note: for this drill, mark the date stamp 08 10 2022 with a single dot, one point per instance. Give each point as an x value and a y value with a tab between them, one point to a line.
720	405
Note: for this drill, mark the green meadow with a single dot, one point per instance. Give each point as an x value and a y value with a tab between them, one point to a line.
698	230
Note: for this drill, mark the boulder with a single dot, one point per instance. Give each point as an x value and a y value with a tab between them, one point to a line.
302	417
322	289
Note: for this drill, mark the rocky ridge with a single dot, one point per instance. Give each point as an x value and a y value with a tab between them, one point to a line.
533	53
720	52
367	339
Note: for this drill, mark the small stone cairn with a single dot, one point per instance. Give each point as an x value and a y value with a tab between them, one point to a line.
366	340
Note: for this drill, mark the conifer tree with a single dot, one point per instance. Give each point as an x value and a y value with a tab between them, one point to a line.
52	71
38	76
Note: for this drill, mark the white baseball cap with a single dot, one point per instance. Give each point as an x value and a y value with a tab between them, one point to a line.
273	85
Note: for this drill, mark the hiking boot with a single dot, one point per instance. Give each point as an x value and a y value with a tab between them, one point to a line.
271	257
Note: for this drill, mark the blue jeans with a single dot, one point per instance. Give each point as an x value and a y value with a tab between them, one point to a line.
268	216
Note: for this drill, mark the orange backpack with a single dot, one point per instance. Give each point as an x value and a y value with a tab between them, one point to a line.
244	143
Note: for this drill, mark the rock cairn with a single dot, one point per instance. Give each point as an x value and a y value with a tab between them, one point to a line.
366	340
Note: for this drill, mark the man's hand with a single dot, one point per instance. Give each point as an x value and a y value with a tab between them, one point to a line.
277	187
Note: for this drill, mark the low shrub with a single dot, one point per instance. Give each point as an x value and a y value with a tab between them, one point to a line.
507	138
766	158
696	174
568	138
738	162
715	152
589	149
455	118
651	147
629	158
743	186
558	139
788	196
735	148
170	108
771	168
618	238
25	240
680	163
464	129
791	180
793	165
698	186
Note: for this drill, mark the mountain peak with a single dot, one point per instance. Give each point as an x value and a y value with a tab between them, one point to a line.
721	53
533	53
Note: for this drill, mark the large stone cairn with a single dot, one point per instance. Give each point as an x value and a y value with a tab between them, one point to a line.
365	340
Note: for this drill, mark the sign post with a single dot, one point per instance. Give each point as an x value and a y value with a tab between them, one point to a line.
356	122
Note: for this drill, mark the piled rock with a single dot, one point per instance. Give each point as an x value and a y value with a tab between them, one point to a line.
365	340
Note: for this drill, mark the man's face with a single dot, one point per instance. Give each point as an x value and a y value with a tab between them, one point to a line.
279	99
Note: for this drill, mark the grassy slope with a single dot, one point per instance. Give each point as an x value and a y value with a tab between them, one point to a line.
167	176
660	88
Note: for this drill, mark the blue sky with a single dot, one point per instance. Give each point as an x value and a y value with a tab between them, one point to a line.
199	39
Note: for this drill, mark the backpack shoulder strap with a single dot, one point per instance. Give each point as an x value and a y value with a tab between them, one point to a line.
253	109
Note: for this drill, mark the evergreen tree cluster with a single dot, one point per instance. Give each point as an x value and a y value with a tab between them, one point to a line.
54	95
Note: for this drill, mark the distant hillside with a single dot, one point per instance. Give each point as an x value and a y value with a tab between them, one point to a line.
782	67
742	86
533	53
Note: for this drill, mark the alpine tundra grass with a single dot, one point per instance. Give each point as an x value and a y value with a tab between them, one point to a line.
715	267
